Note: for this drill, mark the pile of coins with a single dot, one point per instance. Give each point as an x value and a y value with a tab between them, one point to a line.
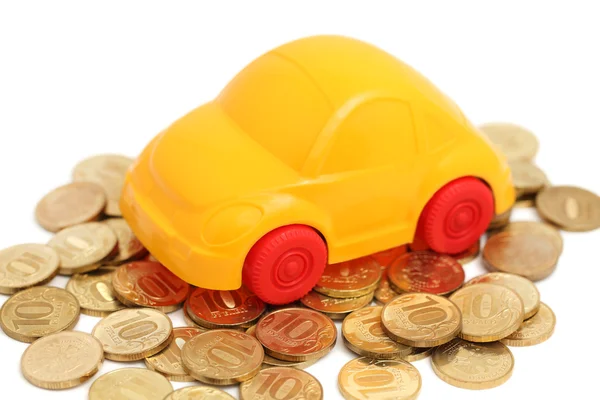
396	307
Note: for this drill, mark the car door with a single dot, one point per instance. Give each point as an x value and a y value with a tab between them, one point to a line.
363	175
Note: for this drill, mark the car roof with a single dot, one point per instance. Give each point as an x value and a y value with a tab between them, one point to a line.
344	68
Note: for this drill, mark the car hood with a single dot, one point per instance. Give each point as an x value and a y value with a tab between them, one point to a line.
204	158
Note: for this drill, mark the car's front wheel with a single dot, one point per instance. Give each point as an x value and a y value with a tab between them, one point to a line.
285	264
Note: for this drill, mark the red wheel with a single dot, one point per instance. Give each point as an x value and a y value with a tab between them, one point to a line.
285	264
457	215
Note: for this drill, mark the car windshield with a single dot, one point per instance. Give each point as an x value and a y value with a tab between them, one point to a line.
276	103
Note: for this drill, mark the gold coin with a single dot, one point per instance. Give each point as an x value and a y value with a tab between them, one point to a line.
527	178
274	362
350	278
525	201
26	265
418	353
421	319
528	253
296	334
384	292
82	248
468	255
168	361
282	383
130	383
130	248
368	379
62	360
37	312
134	334
199	393
335	308
489	312
69	205
535	227
500	220
473	365
94	292
222	357
108	171
569	207
364	335
526	290
535	330
515	142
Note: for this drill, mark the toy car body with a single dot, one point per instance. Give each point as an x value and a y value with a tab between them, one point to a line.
322	150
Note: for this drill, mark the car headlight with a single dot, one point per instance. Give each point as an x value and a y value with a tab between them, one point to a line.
231	223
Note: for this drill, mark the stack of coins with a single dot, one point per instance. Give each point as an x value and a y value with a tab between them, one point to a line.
394	307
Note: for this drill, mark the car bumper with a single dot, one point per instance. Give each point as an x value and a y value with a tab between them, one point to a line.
194	264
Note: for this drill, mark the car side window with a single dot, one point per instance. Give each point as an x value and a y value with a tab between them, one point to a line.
376	133
438	133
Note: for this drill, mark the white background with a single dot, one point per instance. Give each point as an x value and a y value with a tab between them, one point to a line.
77	79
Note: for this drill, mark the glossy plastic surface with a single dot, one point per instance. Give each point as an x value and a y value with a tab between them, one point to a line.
325	132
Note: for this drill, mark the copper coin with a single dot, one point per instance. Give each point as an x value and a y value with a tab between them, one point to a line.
426	272
364	335
569	207
385	258
275	362
279	383
527	178
527	253
168	362
108	171
38	311
95	293
500	220
82	248
468	255
541	228
69	205
189	321
384	292
225	308
149	284
26	265
222	357
350	278
335	308
296	334
130	248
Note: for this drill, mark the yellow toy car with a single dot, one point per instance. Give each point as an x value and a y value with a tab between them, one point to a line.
322	150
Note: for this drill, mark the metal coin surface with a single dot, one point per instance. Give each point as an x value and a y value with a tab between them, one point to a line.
62	360
527	178
82	248
350	278
525	201
421	319
69	205
282	383
385	258
535	227
368	379
500	220
531	254
130	248
526	290
426	272
271	361
468	255
515	142
134	334
168	362
418	353
364	335
225	308
149	284
130	383
489	312
199	393
384	292
296	334
38	311
108	171
335	308
535	330
569	207
26	265
222	357
473	365
189	321
94	292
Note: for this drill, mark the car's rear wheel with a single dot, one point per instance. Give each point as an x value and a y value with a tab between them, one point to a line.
457	215
285	264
